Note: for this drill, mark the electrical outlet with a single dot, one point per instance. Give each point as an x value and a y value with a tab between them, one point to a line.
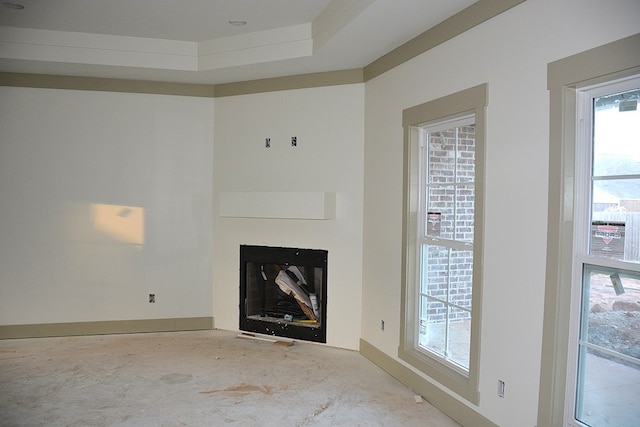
294	141
382	325
152	298
500	388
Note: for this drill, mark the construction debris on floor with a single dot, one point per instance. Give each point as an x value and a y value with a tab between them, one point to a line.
202	378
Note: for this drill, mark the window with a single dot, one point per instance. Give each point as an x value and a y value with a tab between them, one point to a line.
441	290
445	239
606	280
610	62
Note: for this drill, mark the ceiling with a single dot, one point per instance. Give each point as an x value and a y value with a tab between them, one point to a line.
193	41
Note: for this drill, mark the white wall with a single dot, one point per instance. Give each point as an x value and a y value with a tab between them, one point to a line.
61	151
65	259
329	125
510	53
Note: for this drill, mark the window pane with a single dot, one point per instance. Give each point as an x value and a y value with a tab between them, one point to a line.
442	157
616	134
609	348
435	271
608	396
460	278
617	194
447	274
613	316
459	336
441	203
466	167
464	210
607	164
616	235
433	323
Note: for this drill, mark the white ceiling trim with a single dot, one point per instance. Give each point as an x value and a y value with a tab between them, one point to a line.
262	46
336	16
98	49
277	44
257	39
255	55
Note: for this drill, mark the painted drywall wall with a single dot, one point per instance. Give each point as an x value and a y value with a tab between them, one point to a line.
329	125
510	53
104	199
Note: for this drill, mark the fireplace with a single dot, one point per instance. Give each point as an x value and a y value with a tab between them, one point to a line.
283	292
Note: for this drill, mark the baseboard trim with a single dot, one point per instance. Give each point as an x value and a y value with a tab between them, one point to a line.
43	330
452	407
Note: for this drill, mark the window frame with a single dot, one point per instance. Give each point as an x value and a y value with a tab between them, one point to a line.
472	101
451	242
583	260
565	77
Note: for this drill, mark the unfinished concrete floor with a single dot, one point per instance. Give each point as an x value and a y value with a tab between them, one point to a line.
203	378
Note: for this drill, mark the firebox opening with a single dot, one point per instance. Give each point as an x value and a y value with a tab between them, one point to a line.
283	292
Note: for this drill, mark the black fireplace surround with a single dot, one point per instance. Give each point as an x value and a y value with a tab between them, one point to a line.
283	292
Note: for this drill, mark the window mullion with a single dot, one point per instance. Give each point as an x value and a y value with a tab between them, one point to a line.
455	182
615	177
448	305
456	245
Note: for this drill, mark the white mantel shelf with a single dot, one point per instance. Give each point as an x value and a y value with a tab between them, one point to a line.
282	205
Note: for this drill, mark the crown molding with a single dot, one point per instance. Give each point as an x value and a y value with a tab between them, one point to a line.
48	81
302	81
474	15
291	41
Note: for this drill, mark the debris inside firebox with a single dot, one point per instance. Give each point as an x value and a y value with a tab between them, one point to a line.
291	282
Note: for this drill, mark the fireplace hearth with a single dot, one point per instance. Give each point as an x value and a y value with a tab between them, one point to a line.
283	292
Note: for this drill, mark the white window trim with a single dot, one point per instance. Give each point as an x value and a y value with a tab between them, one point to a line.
458	105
